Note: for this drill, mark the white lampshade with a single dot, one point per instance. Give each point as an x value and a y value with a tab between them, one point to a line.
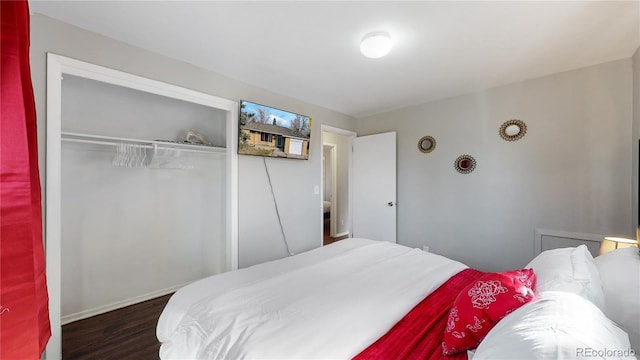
376	44
611	243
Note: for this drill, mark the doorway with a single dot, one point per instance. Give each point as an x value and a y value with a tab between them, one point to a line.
336	193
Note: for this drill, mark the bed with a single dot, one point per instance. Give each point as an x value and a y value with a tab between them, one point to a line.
342	300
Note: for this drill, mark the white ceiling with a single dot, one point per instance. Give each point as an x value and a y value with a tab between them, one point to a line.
310	50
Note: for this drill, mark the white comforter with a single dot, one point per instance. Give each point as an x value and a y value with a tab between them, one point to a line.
331	302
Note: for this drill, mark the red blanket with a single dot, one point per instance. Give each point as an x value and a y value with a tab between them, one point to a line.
419	334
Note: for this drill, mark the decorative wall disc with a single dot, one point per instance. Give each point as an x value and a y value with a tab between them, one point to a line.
465	164
513	130
426	144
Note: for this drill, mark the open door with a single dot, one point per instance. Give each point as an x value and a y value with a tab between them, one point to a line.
374	187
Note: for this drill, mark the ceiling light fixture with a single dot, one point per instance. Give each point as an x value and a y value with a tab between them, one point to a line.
376	44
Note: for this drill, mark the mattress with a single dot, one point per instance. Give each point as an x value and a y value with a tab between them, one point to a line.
330	302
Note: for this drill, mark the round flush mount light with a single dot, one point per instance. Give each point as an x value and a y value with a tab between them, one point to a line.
376	44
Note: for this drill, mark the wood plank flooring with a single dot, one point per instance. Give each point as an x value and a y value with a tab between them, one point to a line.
127	333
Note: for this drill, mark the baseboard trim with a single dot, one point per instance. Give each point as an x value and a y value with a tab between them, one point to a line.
341	234
118	304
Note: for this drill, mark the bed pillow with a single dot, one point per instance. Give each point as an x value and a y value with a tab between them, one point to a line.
481	304
620	274
557	325
570	270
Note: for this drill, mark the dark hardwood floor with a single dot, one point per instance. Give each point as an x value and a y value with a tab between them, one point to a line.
127	333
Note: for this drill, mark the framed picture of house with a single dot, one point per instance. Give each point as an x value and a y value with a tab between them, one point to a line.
267	131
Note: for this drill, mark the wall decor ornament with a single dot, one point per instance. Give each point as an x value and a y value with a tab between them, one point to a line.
426	144
465	164
513	130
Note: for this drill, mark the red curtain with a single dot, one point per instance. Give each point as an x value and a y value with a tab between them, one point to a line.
24	315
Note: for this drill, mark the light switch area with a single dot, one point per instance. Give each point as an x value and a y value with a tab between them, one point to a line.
316	189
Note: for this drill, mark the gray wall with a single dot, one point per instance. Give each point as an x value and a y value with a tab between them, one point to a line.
293	180
572	171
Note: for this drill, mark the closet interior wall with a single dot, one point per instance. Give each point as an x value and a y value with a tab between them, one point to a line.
133	233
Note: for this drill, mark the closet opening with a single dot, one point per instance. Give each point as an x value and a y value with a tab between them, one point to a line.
141	190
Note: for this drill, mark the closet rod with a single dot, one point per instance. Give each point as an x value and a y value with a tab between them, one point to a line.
98	142
113	141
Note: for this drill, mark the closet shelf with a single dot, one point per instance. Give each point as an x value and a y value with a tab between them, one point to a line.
113	141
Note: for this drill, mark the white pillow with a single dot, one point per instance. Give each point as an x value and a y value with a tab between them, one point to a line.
570	270
559	325
620	274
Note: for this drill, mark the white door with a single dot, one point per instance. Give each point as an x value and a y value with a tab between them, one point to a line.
374	187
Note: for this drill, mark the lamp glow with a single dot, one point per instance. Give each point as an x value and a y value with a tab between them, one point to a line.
376	44
612	243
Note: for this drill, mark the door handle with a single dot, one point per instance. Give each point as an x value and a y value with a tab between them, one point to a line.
390	203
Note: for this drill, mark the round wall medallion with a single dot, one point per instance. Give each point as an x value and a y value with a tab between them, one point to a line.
426	144
513	130
465	164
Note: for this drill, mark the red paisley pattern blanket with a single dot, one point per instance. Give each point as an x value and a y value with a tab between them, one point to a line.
418	335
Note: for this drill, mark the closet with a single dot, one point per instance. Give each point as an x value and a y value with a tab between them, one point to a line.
141	195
